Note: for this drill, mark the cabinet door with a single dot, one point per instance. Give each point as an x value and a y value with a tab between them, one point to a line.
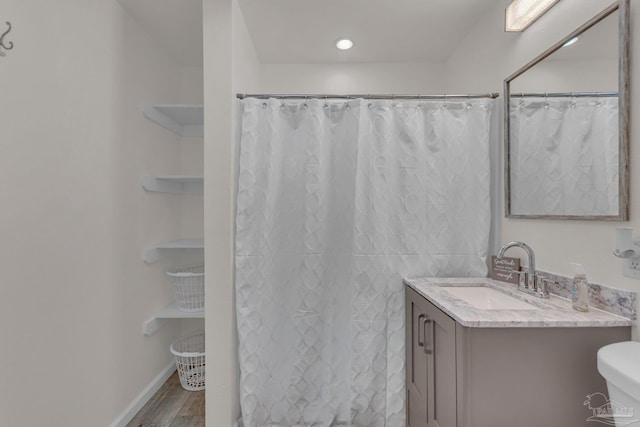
416	359
440	342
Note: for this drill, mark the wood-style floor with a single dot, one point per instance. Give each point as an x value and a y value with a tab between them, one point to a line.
172	406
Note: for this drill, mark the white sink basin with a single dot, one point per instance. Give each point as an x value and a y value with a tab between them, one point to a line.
486	298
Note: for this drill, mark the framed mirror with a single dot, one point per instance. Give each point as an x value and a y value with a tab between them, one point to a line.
567	126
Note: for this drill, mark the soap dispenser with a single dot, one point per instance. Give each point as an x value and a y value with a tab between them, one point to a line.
579	289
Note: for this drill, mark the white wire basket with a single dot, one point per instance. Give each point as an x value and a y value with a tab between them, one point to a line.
190	361
188	286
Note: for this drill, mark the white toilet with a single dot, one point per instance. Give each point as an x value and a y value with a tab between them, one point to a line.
619	364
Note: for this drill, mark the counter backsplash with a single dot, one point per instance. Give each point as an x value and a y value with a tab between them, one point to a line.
617	301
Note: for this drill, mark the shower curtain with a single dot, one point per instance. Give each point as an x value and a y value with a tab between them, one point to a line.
564	156
337	201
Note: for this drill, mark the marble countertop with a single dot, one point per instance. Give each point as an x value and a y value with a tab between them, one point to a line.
550	313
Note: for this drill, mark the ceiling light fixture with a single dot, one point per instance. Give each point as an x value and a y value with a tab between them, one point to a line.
522	13
344	44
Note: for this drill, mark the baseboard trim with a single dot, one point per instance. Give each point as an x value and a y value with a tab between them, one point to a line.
144	396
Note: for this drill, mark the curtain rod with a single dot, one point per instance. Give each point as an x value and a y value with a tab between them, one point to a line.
563	94
328	96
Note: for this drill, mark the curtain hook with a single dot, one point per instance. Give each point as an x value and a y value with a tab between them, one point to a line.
326	104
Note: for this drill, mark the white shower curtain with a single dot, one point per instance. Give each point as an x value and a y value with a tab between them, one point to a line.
337	201
564	156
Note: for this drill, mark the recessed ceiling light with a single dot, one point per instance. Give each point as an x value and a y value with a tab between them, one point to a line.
344	44
570	42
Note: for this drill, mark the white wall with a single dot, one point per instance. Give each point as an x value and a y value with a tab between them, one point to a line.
487	55
231	66
190	81
568	76
73	217
222	389
363	78
484	59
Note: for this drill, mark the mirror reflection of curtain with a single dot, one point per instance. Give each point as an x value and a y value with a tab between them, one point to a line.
564	155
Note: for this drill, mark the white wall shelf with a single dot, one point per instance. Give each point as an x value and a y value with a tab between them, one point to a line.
169	312
183	120
158	252
174	184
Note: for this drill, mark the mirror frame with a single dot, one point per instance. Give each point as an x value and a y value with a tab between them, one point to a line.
623	116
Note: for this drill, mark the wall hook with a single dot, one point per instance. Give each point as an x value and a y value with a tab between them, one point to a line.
4	46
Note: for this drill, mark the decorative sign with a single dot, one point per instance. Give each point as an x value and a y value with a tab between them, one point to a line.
505	269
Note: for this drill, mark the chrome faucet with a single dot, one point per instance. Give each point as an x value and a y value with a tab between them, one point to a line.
530	282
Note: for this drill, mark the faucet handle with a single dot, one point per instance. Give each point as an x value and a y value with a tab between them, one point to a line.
523	278
542	286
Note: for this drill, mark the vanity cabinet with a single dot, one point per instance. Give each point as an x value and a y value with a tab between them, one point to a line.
461	376
431	365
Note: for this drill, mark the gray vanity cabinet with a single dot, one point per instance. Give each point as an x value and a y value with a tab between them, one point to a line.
431	364
461	376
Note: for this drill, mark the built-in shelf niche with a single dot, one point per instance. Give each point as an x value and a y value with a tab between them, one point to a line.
184	121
